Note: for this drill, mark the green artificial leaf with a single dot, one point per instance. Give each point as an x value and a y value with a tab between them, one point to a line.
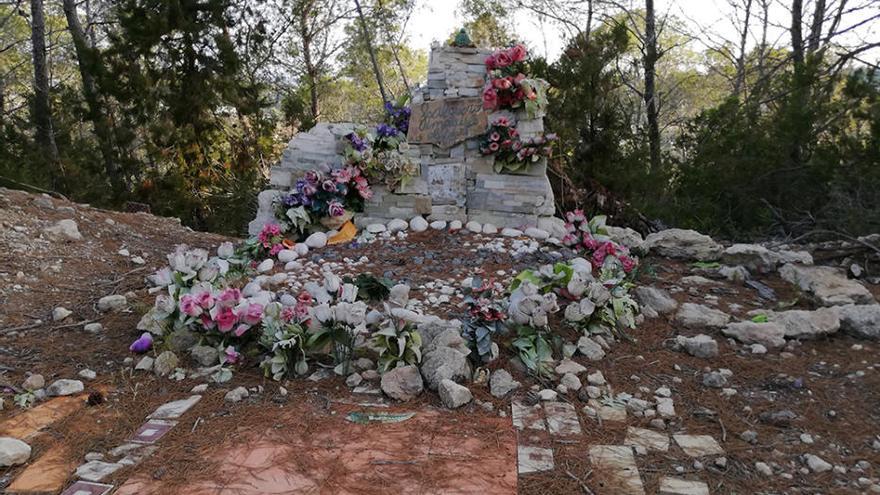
760	319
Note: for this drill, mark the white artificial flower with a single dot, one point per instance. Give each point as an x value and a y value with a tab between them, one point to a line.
164	305
322	313
161	278
208	273
226	250
331	282
349	293
195	258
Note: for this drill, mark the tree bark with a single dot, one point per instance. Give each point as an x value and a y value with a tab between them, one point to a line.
85	57
796	30
816	26
650	62
42	109
368	40
741	58
311	71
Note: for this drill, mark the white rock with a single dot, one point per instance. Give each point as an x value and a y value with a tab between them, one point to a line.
455	225
438	224
692	315
418	224
397	225
287	255
64	230
826	285
510	232
87	374
317	241
862	321
452	394
701	346
817	464
474	226
570	381
236	395
293	266
763	468
769	334
13	452
547	394
684	244
266	265
60	313
376	228
93	327
113	302
536	233
301	248
490	229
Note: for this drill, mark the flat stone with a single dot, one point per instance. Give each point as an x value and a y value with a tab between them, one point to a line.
151	431
63	230
683	244
64	387
701	346
97	470
113	302
826	285
665	407
654	302
692	315
88	488
536	233
47	474
175	409
145	364
376	228
534	459
616	466
590	348
698	445
678	486
649	439
562	419
817	464
801	324
569	366
527	417
34	382
768	334
510	232
861	321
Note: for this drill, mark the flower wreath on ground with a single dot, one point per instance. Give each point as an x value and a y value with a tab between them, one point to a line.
508	87
325	196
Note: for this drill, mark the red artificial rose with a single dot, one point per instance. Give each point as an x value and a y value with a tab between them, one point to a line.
490	98
501	83
493	146
519	78
502	60
517	53
490	62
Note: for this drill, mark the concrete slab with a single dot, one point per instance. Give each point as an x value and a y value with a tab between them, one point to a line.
175	409
562	419
649	439
527	417
698	445
678	486
534	459
615	468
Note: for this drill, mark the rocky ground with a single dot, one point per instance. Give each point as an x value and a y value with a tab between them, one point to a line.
752	371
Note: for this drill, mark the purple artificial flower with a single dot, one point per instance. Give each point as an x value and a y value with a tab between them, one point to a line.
290	200
142	344
329	185
335	209
385	130
356	142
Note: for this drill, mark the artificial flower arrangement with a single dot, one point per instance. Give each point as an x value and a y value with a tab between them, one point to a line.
508	87
513	153
383	155
590	238
328	196
486	317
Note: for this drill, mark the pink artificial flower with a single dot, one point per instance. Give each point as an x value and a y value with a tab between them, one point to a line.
226	319
598	258
518	53
343	175
590	244
502	122
513	132
502	83
361	181
502	59
365	192
275	249
519	79
305	298
490	98
493	146
241	329
517	145
229	297
189	306
335	209
628	263
490	62
494	136
287	314
313	176
232	356
207	322
569	239
205	299
252	315
328	185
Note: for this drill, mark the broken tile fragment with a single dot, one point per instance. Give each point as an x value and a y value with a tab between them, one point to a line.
175	409
678	486
562	419
649	439
698	445
534	459
97	470
527	417
616	466
152	431
87	488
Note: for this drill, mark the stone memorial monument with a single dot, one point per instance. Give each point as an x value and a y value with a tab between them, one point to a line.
456	181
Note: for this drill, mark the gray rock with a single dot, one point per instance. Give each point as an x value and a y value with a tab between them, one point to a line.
714	379
418	224
165	363
817	464
589	348
236	395
734	273
752	256
683	244
444	363
453	395
692	315
569	366
571	382
624	236
87	374
862	321
63	230
364	364
353	380
60	313
13	452
801	324
145	364
501	383
175	408
397	225
399	295
64	387
316	240
701	346
93	327
113	302
826	286
654	301
34	382
536	233
679	486
205	355
770	335
182	340
403	383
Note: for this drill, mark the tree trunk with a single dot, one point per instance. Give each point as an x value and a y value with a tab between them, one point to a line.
650	62
368	40
85	57
816	26
42	110
739	83
797	37
311	70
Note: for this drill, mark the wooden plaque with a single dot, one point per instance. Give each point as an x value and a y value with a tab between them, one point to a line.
447	122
